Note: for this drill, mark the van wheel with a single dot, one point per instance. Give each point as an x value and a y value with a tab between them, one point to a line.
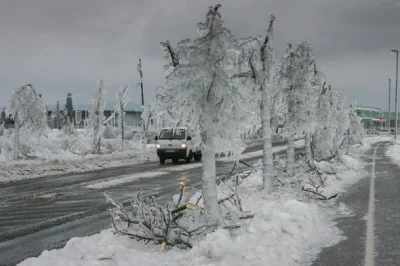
189	158
197	157
162	160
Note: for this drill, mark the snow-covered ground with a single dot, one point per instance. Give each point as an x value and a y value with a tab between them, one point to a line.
393	151
285	231
289	228
60	153
24	169
51	159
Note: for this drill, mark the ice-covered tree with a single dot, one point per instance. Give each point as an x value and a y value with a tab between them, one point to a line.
149	115
262	79
341	119
322	139
155	114
356	131
97	118
295	70
122	99
315	83
333	122
199	94
29	113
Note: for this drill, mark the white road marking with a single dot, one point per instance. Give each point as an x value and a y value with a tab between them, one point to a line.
124	179
369	245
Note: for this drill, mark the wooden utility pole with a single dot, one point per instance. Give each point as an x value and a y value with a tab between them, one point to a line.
139	67
141	79
390	81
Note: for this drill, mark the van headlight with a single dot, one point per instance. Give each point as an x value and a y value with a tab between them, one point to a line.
183	145
158	146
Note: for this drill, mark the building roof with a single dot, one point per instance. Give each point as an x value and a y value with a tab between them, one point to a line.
367	108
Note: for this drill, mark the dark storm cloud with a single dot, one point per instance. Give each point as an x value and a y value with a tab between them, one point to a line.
66	46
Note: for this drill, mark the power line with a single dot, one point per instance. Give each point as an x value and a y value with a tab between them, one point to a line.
71	96
84	92
118	82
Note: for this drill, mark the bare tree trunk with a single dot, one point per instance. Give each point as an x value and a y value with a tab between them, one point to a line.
208	168
290	155
141	89
267	85
268	164
308	148
98	146
16	137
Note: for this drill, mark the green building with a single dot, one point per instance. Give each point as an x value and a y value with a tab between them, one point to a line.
373	118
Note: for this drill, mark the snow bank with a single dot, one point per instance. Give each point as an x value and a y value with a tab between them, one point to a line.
338	174
24	169
393	152
69	163
59	153
288	229
56	143
346	174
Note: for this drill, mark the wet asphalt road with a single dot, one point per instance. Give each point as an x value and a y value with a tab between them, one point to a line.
351	251
44	213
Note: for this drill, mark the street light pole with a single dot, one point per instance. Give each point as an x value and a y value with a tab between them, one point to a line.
390	81
395	97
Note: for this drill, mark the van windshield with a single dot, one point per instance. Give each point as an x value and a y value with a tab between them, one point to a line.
172	134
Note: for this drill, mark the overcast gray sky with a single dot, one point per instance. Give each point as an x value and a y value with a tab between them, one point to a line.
63	46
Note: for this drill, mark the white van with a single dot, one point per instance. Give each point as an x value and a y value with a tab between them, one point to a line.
176	144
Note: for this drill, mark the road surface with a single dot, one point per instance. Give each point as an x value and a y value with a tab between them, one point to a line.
373	230
44	213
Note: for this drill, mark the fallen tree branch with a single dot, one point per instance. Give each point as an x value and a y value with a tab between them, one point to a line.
250	216
174	224
322	197
76	153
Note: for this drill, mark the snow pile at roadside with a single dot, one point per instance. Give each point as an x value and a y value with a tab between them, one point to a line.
337	175
393	152
24	169
288	229
59	153
340	175
56	143
348	172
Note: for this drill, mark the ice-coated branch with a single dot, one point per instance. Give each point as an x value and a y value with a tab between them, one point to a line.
171	53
